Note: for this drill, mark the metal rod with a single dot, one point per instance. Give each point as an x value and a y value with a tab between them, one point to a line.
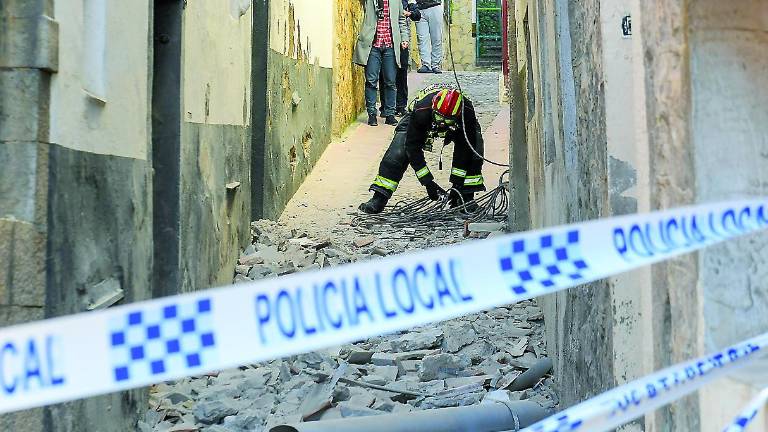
486	417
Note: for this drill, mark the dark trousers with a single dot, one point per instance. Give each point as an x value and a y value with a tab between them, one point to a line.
401	81
381	62
395	162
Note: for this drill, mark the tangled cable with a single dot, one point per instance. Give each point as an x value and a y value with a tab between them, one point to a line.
425	214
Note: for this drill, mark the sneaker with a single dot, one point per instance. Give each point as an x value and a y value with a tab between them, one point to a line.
372	120
375	205
400	112
437	71
424	69
391	120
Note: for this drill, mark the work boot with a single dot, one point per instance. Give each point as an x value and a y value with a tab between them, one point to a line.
391	120
375	204
372	120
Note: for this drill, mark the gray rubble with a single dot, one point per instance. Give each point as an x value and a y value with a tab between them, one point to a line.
448	364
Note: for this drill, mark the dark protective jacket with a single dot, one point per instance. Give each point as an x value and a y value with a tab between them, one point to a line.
413	8
412	134
426	4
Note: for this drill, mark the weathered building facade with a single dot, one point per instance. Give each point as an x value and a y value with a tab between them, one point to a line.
627	107
140	138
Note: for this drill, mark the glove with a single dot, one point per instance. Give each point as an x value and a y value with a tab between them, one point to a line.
434	190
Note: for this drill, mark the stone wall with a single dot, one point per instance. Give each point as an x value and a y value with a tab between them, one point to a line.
313	90
75	199
652	121
215	177
566	172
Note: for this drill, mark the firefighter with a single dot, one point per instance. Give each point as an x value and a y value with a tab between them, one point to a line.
434	113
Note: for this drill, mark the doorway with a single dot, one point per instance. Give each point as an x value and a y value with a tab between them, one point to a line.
166	144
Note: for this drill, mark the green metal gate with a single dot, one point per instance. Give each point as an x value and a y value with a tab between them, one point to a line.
489	33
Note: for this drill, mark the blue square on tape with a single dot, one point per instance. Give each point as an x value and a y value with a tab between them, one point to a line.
170	312
538	264
118	338
177	337
134	318
172	346
506	264
204	305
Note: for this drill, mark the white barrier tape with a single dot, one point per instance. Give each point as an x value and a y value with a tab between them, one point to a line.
632	400
750	412
143	343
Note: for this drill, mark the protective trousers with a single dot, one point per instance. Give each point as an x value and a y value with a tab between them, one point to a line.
466	170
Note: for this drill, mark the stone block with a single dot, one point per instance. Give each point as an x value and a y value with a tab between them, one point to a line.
10	315
28	268
6	236
30	42
25	8
18	180
21	117
27	421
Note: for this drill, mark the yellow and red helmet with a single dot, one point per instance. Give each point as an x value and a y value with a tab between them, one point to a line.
447	103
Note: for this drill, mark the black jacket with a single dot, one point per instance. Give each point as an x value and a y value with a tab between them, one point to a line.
413	9
421	124
426	4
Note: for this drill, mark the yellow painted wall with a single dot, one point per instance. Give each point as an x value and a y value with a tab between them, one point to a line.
349	79
462	40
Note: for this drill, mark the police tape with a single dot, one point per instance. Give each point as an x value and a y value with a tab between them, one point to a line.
630	401
135	345
750	412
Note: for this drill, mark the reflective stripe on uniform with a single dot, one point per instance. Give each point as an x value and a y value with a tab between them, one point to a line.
422	172
458	172
385	183
473	180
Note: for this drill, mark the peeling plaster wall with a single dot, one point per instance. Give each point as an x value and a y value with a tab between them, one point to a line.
215	141
298	134
300	93
349	79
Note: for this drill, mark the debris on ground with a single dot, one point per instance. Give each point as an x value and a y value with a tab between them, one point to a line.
448	364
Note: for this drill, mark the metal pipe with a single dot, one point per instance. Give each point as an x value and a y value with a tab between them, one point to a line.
486	417
532	376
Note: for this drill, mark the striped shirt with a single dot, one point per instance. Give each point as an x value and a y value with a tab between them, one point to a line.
384	30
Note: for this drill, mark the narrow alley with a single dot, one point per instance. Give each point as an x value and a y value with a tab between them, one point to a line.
448	364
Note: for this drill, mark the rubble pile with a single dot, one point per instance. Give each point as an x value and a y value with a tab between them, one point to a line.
448	364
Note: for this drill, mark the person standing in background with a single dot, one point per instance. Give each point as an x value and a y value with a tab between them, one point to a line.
384	28
401	79
429	31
